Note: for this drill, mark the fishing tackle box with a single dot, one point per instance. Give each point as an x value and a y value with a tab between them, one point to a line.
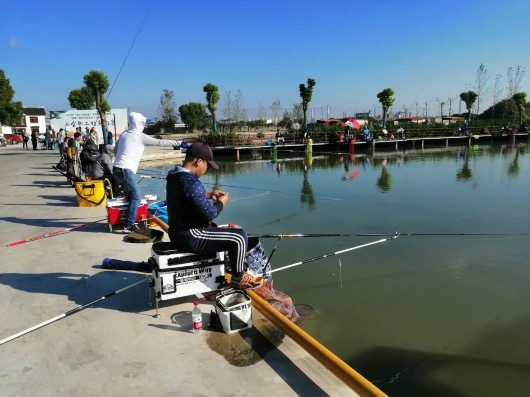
177	274
234	309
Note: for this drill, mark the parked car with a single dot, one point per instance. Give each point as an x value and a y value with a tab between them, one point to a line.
13	139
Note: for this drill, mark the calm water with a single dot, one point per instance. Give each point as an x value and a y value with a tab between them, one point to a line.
417	315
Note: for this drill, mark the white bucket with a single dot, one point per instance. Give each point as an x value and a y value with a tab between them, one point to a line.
234	309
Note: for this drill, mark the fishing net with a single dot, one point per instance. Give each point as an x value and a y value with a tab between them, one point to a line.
259	265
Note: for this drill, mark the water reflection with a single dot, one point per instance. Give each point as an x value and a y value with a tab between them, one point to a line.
307	195
464	174
384	182
513	168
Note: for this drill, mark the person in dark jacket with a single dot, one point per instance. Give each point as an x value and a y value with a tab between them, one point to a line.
191	211
34	139
88	154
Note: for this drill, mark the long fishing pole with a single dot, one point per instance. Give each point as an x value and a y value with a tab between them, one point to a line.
51	234
69	313
239	187
298	235
334	253
130	48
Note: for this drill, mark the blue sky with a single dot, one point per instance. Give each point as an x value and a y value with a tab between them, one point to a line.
353	49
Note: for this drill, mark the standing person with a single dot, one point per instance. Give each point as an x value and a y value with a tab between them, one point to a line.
93	135
110	139
47	140
129	150
25	139
34	139
60	141
191	211
73	167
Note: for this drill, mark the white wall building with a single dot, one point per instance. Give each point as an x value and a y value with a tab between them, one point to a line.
34	119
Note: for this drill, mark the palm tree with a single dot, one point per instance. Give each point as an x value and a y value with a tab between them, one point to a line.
212	97
386	98
469	99
306	93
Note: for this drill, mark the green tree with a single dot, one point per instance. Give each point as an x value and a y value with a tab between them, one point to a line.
306	93
519	99
386	98
469	99
166	108
81	98
193	115
96	84
10	112
212	97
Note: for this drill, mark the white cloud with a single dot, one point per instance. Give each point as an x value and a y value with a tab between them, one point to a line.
13	42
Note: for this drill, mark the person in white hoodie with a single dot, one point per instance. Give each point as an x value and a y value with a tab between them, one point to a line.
129	150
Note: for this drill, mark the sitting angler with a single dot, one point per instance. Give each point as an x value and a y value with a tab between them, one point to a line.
102	167
191	210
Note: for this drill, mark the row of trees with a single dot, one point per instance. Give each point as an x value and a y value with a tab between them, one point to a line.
194	115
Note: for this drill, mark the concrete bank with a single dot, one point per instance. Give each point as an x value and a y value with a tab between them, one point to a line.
115	347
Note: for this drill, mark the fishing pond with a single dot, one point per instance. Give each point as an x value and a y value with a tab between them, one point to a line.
442	309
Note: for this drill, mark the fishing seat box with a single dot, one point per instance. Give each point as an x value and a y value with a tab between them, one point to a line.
117	211
177	274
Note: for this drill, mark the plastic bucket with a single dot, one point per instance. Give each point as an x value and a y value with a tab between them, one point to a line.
91	194
234	309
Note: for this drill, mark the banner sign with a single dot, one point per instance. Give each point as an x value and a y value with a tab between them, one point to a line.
69	120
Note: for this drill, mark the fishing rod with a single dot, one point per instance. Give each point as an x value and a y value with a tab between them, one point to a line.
321	235
380	234
142	176
130	49
334	253
69	313
51	234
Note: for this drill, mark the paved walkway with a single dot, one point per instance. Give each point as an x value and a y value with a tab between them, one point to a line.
115	347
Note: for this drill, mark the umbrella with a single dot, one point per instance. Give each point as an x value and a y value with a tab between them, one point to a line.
351	122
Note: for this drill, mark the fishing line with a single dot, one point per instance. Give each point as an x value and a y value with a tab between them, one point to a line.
243	187
247	197
333	253
130	48
70	312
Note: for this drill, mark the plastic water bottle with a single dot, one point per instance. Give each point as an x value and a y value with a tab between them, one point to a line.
196	316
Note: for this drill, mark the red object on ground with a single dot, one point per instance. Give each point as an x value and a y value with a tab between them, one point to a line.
117	215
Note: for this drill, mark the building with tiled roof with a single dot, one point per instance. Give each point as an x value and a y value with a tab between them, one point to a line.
34	119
